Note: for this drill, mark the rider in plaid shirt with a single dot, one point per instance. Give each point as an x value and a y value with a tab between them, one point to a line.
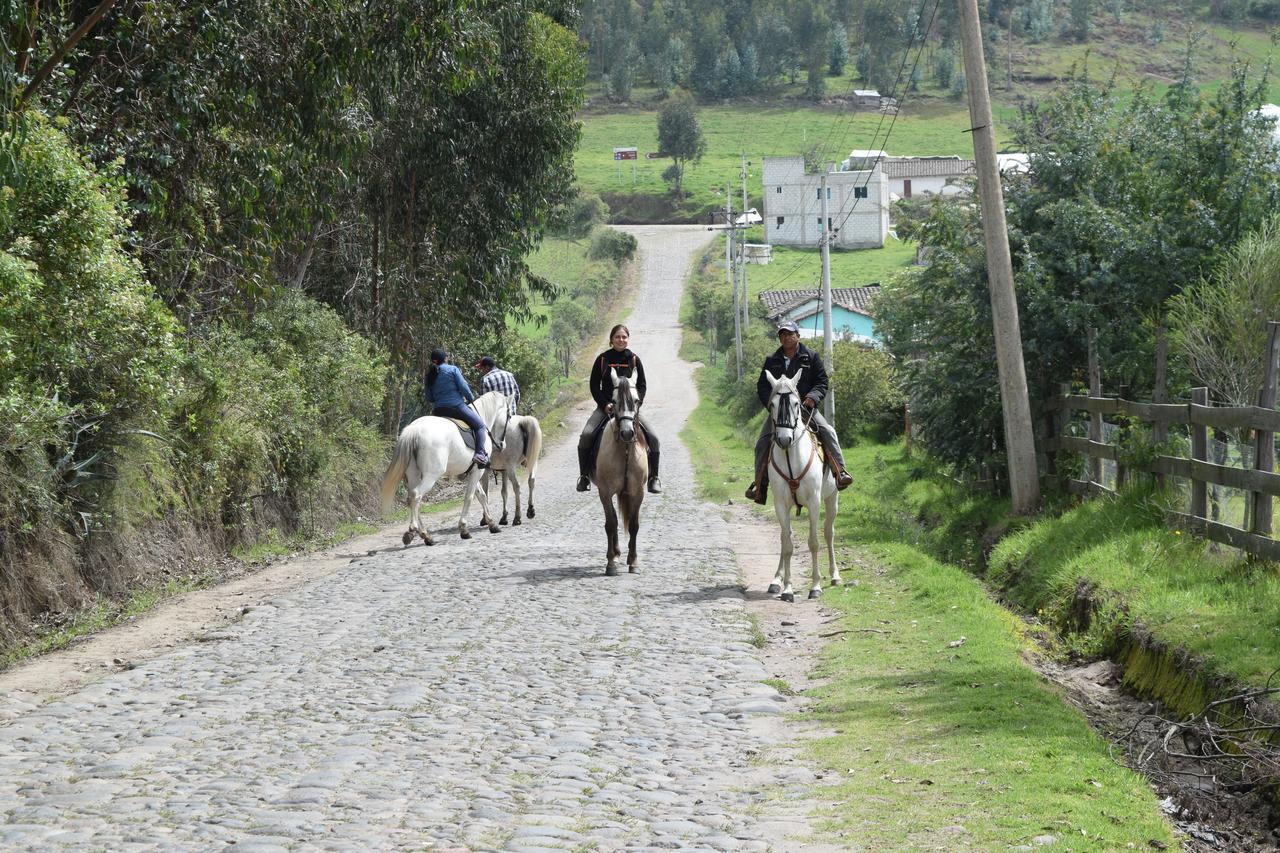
497	379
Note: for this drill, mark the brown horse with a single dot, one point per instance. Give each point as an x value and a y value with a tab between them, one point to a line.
622	469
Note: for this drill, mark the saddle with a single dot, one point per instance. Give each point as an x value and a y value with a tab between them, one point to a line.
762	476
468	437
595	445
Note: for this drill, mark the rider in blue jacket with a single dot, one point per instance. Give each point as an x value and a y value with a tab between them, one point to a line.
448	392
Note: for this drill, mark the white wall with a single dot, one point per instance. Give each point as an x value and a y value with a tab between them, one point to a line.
791	194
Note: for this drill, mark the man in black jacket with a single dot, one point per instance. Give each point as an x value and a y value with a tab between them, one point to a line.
790	359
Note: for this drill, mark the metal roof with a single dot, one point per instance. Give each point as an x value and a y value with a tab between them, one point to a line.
927	167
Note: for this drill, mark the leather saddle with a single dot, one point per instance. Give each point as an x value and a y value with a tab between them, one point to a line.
468	437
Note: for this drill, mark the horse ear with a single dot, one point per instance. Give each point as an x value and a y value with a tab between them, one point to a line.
613	375
773	380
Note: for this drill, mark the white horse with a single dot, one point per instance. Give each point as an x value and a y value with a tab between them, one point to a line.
432	447
521	445
798	478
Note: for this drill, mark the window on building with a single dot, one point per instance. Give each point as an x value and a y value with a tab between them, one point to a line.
781	219
906	188
779	189
859	192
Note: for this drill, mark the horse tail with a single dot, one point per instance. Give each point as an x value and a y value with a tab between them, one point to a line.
532	444
406	445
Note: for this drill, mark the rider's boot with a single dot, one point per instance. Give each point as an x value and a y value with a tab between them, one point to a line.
481	458
584	461
655	485
836	459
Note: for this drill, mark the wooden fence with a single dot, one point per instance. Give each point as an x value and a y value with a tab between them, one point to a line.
1261	482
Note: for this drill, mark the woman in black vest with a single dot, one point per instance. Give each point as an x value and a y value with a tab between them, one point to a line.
626	363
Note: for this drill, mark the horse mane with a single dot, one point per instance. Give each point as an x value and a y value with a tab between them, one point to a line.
486	405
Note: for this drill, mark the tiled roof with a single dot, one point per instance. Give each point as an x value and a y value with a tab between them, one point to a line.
855	299
926	167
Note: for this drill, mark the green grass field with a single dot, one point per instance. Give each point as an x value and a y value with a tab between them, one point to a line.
936	746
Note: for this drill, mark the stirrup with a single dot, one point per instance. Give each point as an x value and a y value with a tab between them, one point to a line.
584	483
655	486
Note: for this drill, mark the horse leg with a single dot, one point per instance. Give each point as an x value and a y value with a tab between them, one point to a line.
416	495
832	502
782	509
611	533
515	491
815	578
486	520
629	511
503	475
531	479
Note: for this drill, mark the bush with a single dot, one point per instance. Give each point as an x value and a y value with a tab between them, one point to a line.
868	396
578	216
606	243
280	419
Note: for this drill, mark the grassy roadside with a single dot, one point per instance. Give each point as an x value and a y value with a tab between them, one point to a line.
939	746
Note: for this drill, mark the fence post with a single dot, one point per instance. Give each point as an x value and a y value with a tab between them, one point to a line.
1122	473
1199	451
1160	429
1264	448
1095	418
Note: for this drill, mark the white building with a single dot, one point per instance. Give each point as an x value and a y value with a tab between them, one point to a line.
857	205
913	176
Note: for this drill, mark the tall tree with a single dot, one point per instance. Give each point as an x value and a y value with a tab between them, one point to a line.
680	138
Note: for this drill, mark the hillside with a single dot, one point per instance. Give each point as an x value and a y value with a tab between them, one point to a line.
1139	47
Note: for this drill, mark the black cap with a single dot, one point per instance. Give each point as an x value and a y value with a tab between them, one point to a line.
487	361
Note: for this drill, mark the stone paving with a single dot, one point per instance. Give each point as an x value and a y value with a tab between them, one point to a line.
492	694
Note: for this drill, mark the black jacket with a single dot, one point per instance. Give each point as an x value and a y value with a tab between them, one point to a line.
626	363
813	376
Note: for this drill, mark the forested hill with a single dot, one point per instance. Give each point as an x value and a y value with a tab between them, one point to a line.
817	49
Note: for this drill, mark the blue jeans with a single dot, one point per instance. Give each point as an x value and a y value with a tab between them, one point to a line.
472	419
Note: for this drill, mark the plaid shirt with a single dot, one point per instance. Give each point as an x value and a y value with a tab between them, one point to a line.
502	380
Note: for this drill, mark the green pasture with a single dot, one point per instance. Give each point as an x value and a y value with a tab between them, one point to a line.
758	131
943	736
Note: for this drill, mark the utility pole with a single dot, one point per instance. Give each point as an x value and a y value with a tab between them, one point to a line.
828	348
729	271
1024	479
746	304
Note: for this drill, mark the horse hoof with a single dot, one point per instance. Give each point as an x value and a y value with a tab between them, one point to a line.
466	534
493	528
530	512
611	571
503	520
633	568
835	581
774	588
516	523
815	593
408	537
789	597
426	540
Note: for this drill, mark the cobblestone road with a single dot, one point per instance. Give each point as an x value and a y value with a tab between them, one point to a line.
497	694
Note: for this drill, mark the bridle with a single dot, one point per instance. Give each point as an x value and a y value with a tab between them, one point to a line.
785	422
625	411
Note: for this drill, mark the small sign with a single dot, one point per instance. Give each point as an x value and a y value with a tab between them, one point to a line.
651	155
625	153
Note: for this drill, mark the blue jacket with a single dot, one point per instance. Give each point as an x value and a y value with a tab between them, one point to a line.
449	389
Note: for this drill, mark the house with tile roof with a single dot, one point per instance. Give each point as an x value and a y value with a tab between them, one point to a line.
850	311
913	176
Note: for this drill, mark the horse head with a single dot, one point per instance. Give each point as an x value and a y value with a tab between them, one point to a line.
626	406
784	409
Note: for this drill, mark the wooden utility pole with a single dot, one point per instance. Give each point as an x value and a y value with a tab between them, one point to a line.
746	305
729	274
828	349
1019	438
